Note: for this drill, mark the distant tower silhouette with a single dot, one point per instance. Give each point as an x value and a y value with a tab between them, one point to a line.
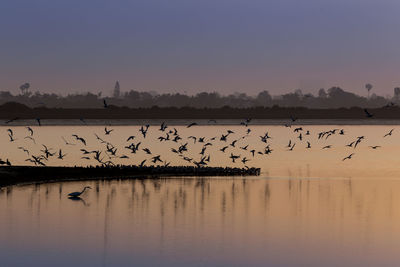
117	91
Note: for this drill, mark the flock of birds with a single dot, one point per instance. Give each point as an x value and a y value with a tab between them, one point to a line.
228	143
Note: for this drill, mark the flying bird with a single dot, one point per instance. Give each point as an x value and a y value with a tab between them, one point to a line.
374	147
348	157
30	130
192	124
389	133
369	115
106	131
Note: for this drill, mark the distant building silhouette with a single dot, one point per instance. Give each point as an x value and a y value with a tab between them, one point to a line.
117	90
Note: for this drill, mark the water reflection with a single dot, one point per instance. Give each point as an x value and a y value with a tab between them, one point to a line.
275	222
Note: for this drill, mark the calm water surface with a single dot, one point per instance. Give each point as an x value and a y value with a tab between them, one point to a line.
308	208
197	222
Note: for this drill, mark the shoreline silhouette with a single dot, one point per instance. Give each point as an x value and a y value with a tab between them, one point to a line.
11	175
12	112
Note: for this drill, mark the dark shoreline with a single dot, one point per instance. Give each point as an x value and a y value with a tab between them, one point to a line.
12	175
11	111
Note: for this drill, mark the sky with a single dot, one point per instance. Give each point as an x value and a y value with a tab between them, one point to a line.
189	46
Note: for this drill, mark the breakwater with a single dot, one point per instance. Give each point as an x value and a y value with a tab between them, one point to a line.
10	175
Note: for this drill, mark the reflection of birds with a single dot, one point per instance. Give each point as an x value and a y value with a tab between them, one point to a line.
78	199
77	194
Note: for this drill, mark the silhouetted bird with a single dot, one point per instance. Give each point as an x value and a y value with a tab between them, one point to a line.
369	115
77	194
61	155
389	133
79	139
351	144
223	149
13	119
66	142
293	118
106	131
348	157
374	147
24	149
30	130
291	149
192	124
31	138
130	138
234	157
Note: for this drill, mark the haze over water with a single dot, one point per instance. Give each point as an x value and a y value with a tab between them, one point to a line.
308	207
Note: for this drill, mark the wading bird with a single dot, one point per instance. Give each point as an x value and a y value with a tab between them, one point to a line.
77	194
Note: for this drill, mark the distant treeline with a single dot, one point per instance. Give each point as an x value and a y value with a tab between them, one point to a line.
334	97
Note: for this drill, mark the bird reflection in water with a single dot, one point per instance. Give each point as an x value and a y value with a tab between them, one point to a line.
78	199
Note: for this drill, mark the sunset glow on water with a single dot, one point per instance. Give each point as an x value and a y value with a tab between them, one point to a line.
197	222
307	208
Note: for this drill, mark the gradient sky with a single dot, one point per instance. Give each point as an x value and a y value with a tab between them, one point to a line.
204	45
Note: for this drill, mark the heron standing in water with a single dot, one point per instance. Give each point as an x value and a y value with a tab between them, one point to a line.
77	194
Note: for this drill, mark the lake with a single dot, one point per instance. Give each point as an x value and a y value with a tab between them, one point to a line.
309	207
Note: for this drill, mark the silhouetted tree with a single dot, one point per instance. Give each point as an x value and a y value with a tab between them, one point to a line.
368	86
264	99
322	93
396	93
335	97
24	88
